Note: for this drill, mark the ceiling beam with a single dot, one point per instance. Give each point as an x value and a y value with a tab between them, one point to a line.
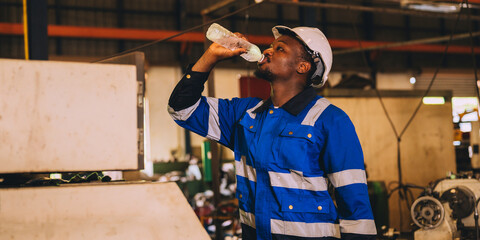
152	35
383	10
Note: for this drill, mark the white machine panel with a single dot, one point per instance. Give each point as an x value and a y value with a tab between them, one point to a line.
65	116
102	211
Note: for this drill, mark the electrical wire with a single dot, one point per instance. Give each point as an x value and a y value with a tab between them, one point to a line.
399	137
401	188
180	33
434	75
364	58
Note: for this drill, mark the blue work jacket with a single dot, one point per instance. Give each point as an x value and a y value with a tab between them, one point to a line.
284	159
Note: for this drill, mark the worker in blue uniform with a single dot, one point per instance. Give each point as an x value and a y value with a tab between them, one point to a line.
288	147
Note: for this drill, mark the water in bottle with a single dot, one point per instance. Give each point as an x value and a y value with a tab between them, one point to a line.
227	39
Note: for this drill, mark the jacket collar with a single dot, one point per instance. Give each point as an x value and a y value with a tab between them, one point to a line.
295	105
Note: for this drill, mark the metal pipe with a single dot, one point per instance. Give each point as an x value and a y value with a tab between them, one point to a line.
371	9
406	43
146	35
216	6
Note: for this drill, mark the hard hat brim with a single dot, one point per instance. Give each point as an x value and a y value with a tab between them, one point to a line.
279	28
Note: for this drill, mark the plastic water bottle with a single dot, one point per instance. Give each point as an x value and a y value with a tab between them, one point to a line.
227	39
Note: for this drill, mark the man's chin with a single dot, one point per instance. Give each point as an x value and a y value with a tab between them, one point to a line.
265	75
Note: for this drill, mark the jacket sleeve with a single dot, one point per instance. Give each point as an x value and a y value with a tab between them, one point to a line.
209	117
344	165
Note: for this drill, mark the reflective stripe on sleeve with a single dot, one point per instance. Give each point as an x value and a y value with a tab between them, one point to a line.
347	177
315	112
295	179
250	111
302	229
213	123
247	218
363	226
244	170
183	114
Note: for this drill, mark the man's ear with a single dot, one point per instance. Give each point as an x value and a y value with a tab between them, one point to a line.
303	67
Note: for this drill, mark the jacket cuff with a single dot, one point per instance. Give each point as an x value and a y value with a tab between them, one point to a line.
195	76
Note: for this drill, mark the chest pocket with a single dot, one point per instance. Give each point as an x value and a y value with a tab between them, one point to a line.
245	134
308	208
300	147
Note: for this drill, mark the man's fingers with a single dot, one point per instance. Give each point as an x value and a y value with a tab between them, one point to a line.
239	51
240	35
219	52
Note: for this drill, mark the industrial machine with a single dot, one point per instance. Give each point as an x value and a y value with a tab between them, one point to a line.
67	117
447	210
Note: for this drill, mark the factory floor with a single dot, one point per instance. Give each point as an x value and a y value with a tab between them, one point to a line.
405	236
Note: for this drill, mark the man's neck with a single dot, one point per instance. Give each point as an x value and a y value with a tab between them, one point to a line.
282	92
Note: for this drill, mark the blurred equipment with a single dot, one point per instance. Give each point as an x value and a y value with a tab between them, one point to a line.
60	117
473	149
377	192
446	209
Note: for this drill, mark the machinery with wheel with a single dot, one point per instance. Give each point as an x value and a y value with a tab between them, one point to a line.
447	211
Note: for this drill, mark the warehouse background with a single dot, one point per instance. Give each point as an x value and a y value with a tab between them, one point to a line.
91	30
183	14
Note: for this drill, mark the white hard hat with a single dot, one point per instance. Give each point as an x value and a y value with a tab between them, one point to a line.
317	45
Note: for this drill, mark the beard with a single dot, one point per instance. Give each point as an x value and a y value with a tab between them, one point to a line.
264	74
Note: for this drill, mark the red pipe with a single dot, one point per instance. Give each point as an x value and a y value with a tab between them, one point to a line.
150	35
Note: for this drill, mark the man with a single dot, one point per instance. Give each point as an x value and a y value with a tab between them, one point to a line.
287	146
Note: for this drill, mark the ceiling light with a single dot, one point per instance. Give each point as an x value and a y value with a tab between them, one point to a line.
431	6
413	80
433	100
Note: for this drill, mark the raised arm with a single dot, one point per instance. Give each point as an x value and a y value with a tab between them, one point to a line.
209	117
189	90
